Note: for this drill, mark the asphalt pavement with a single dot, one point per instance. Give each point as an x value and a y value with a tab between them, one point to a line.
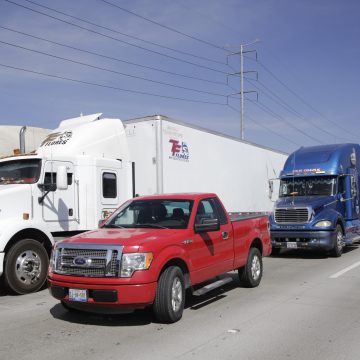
306	307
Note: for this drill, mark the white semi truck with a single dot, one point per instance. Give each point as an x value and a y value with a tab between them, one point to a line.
88	166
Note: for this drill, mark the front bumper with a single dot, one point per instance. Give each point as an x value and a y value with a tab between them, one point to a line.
322	240
116	296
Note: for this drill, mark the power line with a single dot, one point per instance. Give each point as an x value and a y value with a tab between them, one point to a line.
163	26
110	70
277	116
275	98
302	100
124	34
108	86
110	57
116	39
264	126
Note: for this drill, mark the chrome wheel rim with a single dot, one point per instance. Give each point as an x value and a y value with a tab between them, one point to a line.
176	294
28	267
339	240
255	267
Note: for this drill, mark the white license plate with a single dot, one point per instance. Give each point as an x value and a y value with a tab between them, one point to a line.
291	245
80	295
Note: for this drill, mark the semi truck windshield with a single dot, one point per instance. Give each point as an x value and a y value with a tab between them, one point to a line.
25	171
308	186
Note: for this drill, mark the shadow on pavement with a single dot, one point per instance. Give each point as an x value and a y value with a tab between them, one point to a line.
311	254
144	316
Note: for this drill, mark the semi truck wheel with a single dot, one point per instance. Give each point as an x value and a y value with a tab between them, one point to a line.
170	295
250	275
26	265
338	246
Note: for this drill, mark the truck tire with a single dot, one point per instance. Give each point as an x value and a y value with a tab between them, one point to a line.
25	267
170	296
250	275
338	246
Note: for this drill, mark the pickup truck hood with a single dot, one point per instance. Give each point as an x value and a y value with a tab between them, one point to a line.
126	237
313	202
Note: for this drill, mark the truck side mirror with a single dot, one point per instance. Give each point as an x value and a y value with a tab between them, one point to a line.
207	225
271	188
61	178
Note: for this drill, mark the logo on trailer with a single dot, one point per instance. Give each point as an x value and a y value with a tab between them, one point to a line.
58	138
179	150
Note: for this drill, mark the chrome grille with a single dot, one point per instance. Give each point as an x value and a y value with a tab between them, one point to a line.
93	260
292	215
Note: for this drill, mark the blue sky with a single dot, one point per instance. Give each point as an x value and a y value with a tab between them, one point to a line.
308	59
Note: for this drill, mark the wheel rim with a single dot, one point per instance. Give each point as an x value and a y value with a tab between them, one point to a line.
28	267
176	294
339	240
255	267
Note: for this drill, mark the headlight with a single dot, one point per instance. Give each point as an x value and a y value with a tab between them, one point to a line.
135	261
52	260
323	224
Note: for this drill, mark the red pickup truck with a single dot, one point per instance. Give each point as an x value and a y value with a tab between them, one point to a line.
151	249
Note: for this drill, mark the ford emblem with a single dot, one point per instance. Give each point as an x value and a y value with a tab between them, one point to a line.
82	261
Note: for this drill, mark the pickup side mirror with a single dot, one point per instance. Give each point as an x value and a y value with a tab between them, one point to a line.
207	225
61	178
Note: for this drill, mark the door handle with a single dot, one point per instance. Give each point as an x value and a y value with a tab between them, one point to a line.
225	235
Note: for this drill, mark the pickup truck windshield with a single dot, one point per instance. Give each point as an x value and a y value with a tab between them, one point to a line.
308	186
26	171
166	214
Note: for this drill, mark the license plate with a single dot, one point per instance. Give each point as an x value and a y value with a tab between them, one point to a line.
79	295
291	245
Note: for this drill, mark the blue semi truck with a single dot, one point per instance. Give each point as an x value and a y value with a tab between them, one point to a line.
318	205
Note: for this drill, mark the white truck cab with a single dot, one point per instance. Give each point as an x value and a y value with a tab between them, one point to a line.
80	173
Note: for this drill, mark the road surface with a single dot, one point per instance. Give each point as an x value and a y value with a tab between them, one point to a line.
306	307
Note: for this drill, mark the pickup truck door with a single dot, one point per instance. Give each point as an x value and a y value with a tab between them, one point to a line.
211	253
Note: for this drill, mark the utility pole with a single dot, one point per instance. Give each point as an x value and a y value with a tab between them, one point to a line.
242	135
241	76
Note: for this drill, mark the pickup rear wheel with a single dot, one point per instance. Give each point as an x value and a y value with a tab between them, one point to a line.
170	295
250	275
338	246
26	265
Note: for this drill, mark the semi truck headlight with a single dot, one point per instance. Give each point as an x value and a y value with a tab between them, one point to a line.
323	224
135	261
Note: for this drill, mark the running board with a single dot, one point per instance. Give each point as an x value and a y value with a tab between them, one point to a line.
212	286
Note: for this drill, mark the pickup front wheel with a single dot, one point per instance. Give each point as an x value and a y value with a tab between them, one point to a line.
250	275
170	295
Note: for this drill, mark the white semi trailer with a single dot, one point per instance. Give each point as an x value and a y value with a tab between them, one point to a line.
88	166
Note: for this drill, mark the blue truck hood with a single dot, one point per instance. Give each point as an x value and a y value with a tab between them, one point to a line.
304	201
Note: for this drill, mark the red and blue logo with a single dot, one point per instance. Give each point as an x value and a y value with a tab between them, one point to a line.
179	150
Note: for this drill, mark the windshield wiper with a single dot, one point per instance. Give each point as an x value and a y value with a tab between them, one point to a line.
113	226
157	226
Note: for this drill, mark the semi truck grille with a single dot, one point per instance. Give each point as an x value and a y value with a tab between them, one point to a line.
88	260
292	215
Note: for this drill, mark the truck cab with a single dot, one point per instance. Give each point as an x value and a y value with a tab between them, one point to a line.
79	174
318	205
